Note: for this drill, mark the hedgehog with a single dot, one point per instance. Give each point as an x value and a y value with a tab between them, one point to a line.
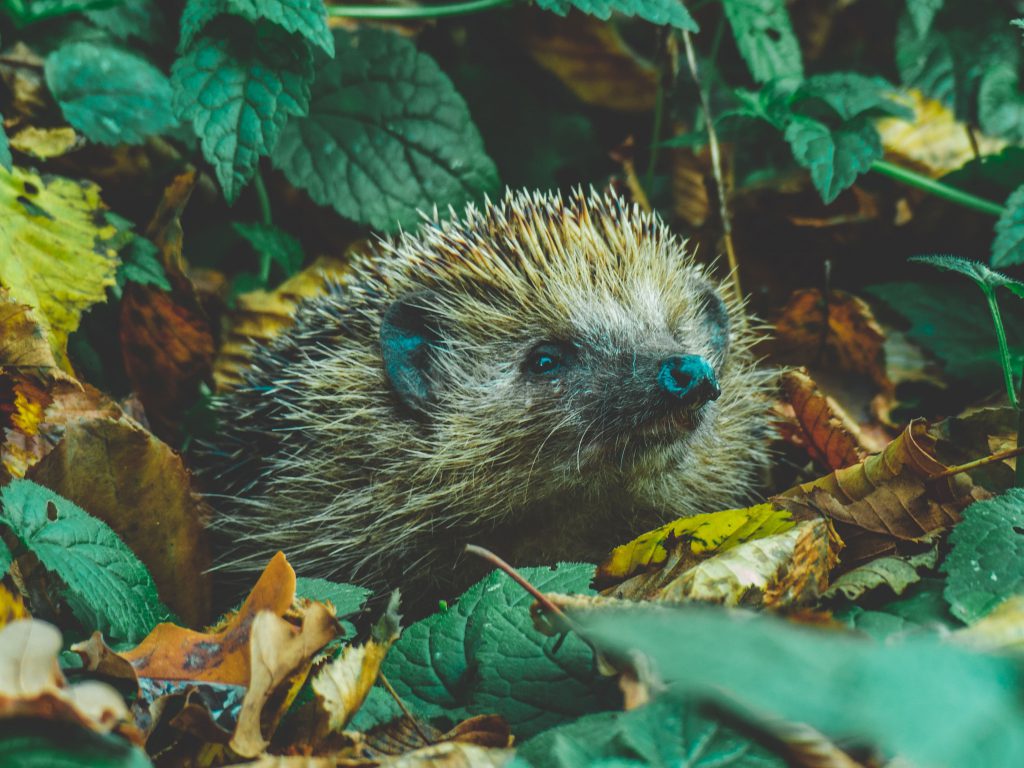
546	376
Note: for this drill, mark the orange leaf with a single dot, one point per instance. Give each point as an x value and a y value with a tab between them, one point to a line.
171	652
830	437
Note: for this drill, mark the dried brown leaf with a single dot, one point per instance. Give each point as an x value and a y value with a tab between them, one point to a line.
823	428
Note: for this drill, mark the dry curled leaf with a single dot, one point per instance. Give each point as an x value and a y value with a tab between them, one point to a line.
819	424
403	735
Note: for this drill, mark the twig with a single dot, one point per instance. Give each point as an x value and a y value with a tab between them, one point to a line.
1009	453
405	710
716	167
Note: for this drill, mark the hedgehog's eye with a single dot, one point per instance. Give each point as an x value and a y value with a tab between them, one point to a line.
545	359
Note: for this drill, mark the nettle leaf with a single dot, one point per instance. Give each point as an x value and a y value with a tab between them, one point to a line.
347	599
142	19
922	14
982	276
889	696
835	158
386	135
986	561
483	655
655	11
927	62
107	587
764	36
273	244
307	18
662	733
238	84
25	12
1008	247
850	95
109	94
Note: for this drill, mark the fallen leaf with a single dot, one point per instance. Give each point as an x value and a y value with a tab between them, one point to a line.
342	686
123	475
680	544
999	631
897	573
823	428
836	332
32	685
403	735
166	342
46	143
690	200
592	60
261	315
787	570
54	256
171	652
280	658
12	606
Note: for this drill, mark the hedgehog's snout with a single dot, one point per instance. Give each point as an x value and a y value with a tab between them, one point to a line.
688	379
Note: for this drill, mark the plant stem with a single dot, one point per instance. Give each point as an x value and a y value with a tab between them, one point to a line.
1009	453
716	167
1004	348
1018	479
937	188
399	12
264	199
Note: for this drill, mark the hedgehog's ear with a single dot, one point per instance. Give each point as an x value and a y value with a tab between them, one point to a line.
409	337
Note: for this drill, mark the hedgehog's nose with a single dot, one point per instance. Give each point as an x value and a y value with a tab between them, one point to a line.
688	378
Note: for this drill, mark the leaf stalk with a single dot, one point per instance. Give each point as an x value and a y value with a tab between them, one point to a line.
400	13
937	188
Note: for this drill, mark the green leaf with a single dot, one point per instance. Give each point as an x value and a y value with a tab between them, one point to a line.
986	560
1001	102
238	84
39	743
835	158
1008	247
307	18
107	587
921	608
662	733
964	340
890	696
764	36
655	11
897	573
273	244
131	19
850	95
347	599
110	95
982	276
140	263
483	655
30	11
927	62
6	558
922	14
6	161
386	136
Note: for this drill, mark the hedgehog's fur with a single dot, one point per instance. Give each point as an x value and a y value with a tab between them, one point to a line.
315	455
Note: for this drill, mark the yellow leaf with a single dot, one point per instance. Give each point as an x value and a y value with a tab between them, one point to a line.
55	250
45	143
698	536
12	606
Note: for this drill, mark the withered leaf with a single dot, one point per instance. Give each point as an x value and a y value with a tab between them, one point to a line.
823	428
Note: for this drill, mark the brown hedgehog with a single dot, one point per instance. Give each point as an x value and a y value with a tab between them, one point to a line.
545	376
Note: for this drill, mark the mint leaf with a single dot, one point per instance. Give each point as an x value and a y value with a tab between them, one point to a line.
834	158
6	161
662	733
386	136
40	743
273	244
887	696
655	11
764	36
986	560
238	84
107	587
1001	102
307	18
850	95
110	95
483	655
1008	247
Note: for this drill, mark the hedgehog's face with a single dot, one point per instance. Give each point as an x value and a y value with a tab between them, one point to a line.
625	375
